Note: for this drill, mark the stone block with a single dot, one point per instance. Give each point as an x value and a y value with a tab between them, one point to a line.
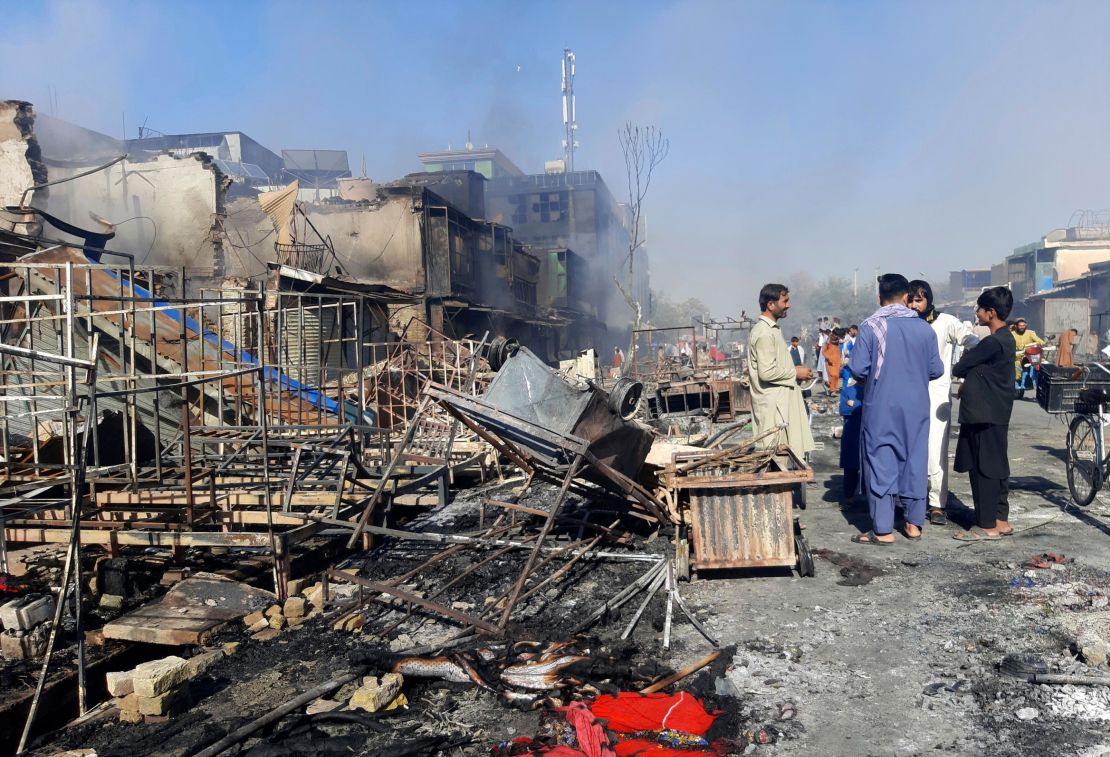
94	638
266	634
294	607
129	703
25	613
167	703
111	602
201	662
322	705
277	622
298	585
294	622
253	618
374	695
18	645
1093	649
315	596
259	626
273	610
120	684
152	679
231	648
130	716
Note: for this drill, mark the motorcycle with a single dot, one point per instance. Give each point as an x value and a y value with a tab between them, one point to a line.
1030	370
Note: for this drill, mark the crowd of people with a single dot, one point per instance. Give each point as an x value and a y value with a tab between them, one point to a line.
892	375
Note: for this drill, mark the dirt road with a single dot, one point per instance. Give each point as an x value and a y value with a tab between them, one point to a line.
895	651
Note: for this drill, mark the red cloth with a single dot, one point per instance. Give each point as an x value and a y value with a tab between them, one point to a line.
591	735
630	711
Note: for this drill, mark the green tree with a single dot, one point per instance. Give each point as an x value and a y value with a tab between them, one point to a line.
665	312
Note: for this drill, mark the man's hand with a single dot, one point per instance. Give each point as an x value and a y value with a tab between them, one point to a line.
801	373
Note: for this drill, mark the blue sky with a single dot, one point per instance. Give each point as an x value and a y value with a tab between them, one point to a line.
805	136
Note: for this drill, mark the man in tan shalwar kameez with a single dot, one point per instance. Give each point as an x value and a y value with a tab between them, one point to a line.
773	377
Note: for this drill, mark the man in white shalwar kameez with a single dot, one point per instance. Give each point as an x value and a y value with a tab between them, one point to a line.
952	334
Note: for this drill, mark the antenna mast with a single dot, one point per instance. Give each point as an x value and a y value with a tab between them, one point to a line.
570	121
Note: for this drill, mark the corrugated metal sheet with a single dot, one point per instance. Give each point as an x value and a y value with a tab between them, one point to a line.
742	526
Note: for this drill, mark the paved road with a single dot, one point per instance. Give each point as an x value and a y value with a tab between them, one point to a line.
906	664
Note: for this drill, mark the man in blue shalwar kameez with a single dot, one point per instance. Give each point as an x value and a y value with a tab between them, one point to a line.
895	356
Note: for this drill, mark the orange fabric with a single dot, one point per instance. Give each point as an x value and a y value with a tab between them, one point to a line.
1064	354
832	363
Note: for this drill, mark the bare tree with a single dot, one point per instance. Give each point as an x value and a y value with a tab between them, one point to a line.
644	148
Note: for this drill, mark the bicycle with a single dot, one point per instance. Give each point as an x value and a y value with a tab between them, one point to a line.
1087	458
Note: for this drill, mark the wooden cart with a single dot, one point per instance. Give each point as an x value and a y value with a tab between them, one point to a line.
735	519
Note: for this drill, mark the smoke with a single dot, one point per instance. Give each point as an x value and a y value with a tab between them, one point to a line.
816	137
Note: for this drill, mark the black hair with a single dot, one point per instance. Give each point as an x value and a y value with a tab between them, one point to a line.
793	338
998	299
770	293
921	287
853	326
892	286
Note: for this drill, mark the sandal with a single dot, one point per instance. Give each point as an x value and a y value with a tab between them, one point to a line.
906	534
870	538
975	534
937	517
1006	533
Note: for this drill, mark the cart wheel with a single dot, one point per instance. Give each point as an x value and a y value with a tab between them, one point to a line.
800	496
682	560
806	568
625	397
1083	461
500	350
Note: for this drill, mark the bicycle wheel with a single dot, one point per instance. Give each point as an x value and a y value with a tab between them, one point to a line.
1084	464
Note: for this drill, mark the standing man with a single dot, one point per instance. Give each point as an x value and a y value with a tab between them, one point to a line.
773	377
950	333
618	362
797	352
895	358
985	407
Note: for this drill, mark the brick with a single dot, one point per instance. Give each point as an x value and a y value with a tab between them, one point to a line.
27	612
155	678
294	607
253	618
168	703
120	684
374	695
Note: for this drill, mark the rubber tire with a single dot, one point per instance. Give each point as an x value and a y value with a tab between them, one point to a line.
805	565
1082	424
624	400
500	350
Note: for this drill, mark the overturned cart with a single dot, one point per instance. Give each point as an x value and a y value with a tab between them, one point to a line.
737	508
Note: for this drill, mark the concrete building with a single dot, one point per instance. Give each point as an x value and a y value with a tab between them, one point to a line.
574	211
1059	256
489	162
231	146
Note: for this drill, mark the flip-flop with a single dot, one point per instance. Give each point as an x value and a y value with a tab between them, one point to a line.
1006	533
937	517
975	534
870	538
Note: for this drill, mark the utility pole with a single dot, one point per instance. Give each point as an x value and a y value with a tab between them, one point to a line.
855	284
